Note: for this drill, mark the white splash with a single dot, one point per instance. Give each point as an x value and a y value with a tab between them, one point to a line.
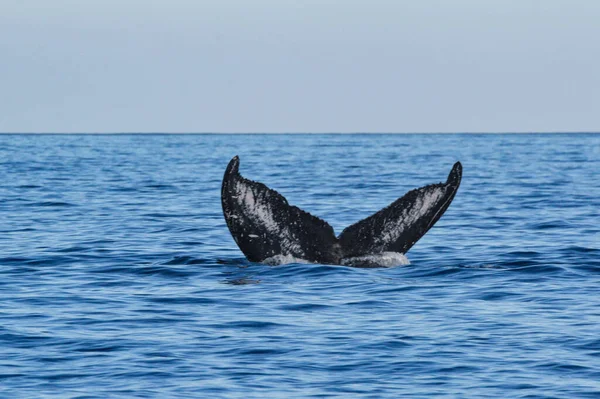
283	260
384	259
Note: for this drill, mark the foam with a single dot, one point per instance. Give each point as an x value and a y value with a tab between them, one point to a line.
283	260
384	259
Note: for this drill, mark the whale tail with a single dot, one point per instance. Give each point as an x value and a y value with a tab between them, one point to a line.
264	225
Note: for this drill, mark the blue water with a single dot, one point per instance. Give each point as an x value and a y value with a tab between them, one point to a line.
119	278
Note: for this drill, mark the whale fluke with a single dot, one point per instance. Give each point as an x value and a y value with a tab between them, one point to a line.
264	225
399	226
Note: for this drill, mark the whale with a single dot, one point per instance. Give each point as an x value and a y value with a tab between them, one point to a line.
266	227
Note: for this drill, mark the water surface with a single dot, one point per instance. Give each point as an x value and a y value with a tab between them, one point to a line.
118	276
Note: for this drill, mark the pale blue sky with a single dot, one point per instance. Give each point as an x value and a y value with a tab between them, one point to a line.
299	66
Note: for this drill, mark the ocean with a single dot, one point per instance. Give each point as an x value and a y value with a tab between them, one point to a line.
120	279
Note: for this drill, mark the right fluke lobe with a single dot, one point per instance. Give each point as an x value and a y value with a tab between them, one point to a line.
455	175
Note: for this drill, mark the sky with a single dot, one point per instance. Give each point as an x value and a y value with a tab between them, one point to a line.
299	66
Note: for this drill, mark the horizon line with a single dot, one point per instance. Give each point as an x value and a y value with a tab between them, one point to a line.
294	133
